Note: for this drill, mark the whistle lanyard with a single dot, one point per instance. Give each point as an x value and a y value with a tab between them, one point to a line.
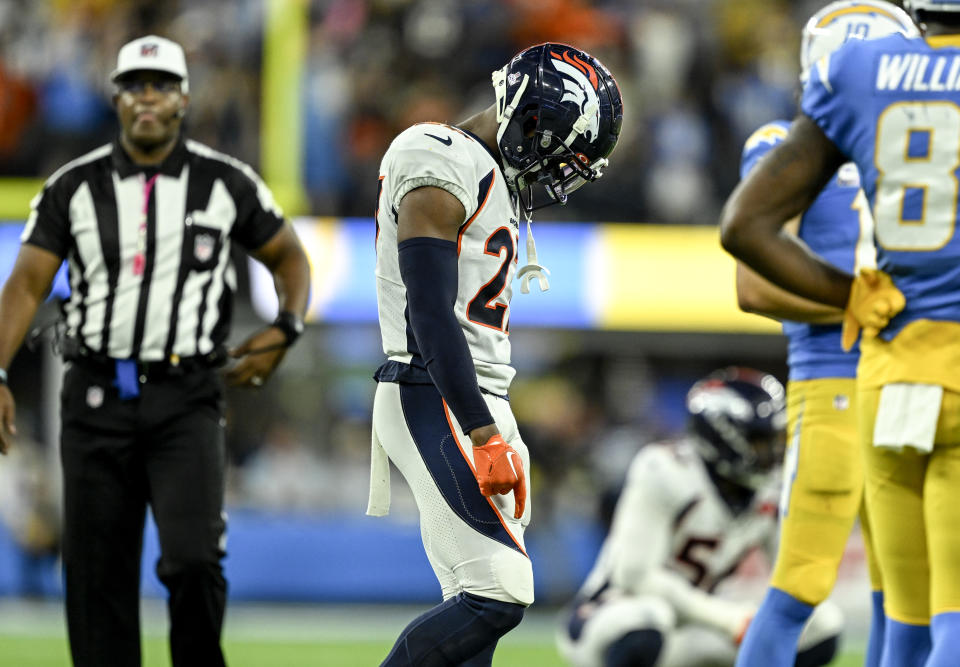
140	258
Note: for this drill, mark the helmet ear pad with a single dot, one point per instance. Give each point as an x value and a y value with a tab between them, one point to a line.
516	143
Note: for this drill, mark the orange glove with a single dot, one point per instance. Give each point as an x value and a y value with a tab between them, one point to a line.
874	301
500	470
744	623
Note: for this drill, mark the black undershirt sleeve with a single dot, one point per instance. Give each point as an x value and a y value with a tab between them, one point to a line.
428	267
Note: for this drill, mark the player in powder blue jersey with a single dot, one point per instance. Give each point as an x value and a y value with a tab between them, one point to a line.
823	476
891	105
824	471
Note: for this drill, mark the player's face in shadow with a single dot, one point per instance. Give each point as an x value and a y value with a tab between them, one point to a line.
149	107
769	450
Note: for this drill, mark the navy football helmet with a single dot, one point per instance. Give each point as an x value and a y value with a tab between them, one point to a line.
739	418
559	113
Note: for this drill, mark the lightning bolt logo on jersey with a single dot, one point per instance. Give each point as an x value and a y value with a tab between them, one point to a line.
443	156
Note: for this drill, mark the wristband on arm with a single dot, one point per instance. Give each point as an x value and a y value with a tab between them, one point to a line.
290	324
428	267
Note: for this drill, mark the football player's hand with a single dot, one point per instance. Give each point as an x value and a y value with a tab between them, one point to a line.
874	301
258	357
745	623
7	413
740	618
500	470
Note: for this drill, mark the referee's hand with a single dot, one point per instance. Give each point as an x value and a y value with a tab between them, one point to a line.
257	357
7	413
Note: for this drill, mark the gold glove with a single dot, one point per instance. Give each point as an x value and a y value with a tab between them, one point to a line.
874	301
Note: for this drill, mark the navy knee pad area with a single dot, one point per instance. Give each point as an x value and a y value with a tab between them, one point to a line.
639	648
503	616
456	631
818	654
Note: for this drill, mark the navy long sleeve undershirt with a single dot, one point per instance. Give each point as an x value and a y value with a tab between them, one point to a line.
428	267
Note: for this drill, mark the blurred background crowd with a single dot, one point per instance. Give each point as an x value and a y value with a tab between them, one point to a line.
698	76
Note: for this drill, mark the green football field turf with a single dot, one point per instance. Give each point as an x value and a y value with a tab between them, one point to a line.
52	652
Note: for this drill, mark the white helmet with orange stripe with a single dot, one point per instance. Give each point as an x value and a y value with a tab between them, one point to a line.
832	26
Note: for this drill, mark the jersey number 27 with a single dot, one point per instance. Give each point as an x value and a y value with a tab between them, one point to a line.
483	308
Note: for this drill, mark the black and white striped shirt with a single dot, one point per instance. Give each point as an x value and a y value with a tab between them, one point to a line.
148	248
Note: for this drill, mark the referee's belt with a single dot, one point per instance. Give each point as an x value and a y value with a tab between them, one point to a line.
78	353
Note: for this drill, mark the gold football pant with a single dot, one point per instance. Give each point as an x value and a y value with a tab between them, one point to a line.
823	489
913	500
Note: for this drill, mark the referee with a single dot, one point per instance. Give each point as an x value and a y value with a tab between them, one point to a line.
146	225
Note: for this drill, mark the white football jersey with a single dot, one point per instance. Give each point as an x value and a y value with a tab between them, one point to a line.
443	156
671	516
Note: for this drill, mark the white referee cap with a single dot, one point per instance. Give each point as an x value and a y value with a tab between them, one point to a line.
152	53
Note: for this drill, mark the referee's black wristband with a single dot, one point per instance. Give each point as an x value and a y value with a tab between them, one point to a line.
290	324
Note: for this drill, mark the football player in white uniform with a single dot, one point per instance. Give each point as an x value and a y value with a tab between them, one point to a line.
689	513
448	211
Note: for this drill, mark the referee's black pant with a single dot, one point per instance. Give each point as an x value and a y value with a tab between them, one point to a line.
166	449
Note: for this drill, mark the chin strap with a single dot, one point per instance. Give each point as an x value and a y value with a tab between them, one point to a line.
532	269
505	111
579	127
582	123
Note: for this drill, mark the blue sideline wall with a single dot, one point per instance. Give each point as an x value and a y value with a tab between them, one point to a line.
307	558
